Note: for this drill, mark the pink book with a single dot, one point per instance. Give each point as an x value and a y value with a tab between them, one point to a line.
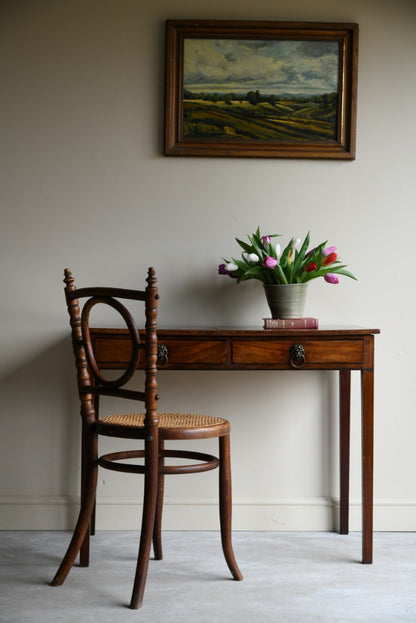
290	323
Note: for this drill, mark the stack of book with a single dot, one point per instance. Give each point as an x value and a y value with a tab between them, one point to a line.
290	323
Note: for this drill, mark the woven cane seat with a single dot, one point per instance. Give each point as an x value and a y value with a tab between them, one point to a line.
171	425
166	420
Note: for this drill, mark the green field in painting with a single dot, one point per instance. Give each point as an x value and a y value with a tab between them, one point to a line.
286	120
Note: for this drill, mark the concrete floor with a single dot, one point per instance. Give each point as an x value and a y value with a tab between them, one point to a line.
288	578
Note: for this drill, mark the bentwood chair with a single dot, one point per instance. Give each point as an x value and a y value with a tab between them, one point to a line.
150	426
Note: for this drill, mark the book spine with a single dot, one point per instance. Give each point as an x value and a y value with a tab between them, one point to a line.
291	323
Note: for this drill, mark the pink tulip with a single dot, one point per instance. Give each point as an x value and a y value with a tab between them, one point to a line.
329	250
331	278
270	262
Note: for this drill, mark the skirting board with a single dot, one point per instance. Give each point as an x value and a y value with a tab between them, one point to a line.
310	514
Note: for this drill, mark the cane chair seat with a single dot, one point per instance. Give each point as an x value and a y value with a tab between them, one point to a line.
171	425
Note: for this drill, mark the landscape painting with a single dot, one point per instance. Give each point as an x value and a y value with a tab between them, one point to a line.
260	89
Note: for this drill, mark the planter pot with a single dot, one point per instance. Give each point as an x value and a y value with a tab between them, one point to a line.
286	301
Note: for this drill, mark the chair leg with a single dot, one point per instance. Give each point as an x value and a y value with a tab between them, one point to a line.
157	530
93	516
148	519
84	552
80	534
226	506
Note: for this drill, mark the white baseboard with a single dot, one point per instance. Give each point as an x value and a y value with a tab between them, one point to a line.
310	514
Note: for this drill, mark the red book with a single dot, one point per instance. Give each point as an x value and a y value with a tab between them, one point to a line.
290	323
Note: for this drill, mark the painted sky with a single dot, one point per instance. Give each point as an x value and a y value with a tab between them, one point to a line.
272	67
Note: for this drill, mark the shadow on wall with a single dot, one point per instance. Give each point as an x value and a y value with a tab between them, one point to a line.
213	301
41	432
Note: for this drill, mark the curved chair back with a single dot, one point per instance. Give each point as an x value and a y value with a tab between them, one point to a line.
91	381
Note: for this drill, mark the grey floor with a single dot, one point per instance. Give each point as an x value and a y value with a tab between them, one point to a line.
288	577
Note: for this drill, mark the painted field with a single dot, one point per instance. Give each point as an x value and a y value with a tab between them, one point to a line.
285	120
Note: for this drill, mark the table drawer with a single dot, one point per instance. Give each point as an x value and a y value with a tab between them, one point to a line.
181	352
316	352
117	351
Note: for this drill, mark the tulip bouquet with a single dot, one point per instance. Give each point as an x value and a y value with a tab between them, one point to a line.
262	259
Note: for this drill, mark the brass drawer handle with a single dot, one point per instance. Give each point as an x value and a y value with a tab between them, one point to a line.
162	355
297	356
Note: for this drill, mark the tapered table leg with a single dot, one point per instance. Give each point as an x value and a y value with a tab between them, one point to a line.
344	448
367	384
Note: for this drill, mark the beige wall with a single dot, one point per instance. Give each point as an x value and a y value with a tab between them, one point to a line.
84	184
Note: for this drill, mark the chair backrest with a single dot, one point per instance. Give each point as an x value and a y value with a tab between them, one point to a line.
91	382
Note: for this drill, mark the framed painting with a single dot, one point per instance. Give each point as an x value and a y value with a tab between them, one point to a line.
261	89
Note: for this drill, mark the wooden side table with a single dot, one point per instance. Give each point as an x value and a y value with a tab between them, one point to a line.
342	349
